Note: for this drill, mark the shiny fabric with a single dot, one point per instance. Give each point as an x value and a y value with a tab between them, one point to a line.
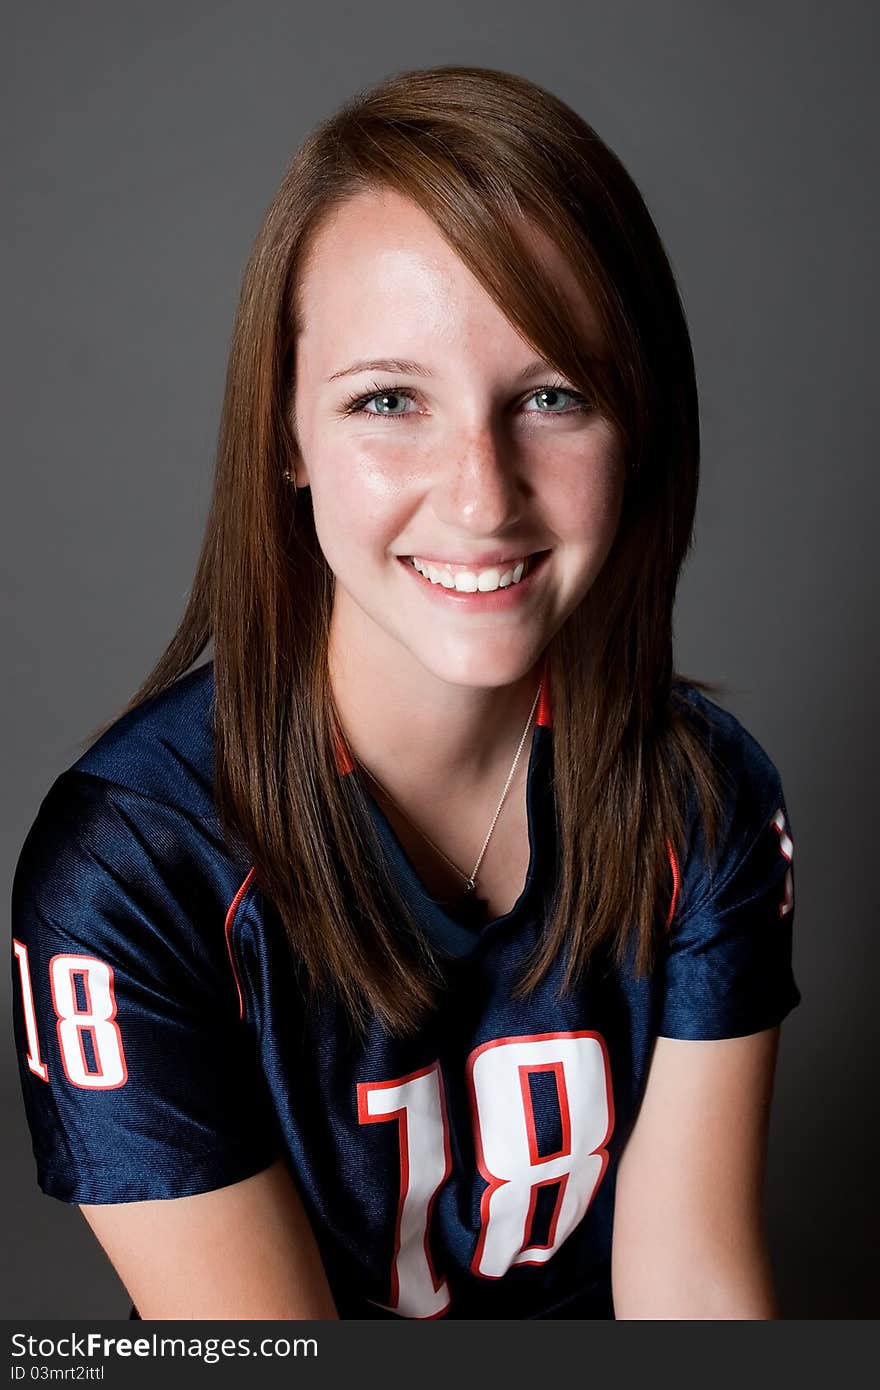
222	1066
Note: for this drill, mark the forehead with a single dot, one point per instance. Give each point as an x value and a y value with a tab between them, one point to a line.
378	262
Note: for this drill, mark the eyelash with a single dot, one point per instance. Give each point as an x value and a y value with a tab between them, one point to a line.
355	404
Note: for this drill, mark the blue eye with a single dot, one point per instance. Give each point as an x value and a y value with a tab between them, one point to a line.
384	397
549	396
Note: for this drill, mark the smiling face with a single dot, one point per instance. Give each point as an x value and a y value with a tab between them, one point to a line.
462	452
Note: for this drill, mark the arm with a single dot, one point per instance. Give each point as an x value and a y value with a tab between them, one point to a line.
688	1235
242	1251
162	1130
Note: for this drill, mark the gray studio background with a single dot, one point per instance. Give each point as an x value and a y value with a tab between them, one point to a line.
141	146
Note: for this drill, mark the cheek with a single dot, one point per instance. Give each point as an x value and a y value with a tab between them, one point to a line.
584	494
358	494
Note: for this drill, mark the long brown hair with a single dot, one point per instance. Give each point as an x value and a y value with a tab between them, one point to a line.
479	151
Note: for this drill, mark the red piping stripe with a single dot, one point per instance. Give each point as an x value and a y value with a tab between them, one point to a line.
676	882
545	704
230	921
344	761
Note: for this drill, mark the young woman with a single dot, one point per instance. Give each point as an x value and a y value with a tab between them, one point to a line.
424	952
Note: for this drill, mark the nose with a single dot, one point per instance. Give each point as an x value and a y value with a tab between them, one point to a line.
478	489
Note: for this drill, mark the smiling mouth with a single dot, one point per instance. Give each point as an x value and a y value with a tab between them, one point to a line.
483	579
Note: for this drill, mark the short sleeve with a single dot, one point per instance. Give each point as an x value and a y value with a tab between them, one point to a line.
140	1079
727	966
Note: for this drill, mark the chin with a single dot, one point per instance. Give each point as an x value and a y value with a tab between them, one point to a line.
481	665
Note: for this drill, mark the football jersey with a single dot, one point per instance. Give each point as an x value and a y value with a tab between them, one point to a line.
167	1046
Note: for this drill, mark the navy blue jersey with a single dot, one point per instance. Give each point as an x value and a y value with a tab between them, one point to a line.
166	1046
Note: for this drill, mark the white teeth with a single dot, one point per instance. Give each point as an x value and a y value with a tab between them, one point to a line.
471	581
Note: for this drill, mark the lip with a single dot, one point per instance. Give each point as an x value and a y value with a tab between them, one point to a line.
497	601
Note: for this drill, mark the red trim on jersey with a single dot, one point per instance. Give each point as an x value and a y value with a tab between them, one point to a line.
230	922
344	762
545	704
676	882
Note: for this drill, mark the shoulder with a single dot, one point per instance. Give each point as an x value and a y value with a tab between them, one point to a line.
753	806
130	831
147	780
164	748
733	748
749	779
726	969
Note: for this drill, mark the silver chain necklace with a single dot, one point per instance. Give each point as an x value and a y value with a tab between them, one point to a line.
471	878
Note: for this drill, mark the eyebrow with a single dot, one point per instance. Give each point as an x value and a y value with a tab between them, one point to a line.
399	364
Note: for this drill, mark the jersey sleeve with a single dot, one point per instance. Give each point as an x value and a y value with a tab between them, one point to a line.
727	967
140	1079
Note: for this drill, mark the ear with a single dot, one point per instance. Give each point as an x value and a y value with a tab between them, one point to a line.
299	476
